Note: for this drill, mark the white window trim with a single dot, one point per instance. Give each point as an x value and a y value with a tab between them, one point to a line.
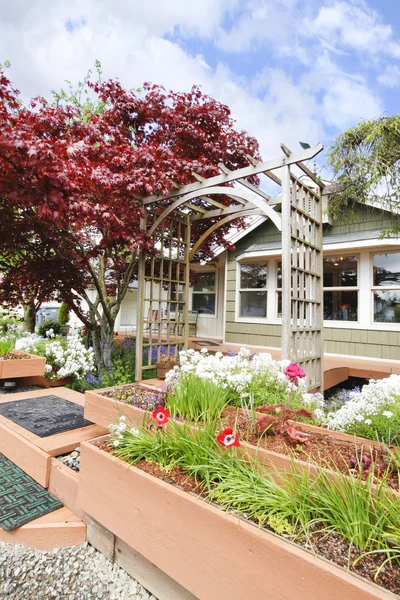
365	287
192	292
238	318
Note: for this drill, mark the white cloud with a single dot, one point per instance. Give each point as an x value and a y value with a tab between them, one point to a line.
390	77
353	26
48	42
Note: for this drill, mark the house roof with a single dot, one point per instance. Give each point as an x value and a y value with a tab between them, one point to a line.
328	240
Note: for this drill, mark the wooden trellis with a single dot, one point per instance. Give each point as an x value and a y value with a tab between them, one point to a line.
164	278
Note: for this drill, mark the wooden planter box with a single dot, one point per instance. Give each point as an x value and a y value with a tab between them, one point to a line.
208	552
163	368
104	411
43	382
14	369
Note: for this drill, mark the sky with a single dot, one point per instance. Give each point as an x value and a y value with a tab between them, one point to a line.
290	70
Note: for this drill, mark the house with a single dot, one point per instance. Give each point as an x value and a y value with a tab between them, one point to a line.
238	296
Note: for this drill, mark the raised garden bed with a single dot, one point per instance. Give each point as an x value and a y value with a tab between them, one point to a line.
102	407
186	537
18	364
330	449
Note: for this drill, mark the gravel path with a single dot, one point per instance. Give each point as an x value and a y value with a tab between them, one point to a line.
79	573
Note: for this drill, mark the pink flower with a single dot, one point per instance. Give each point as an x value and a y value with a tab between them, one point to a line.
294	373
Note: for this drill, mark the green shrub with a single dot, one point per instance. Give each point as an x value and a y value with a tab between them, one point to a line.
63	314
47	325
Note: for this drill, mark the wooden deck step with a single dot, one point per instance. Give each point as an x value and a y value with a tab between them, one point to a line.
55	530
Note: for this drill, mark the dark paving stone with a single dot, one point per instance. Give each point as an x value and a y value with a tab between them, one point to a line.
21	498
45	415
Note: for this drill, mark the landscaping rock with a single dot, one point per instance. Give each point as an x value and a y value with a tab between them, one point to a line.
18	389
79	573
72	459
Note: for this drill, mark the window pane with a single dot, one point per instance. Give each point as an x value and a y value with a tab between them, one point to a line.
253	276
387	269
204	303
206	283
387	306
279	308
340	306
279	275
253	304
340	271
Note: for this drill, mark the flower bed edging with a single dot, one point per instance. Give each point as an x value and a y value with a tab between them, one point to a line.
105	411
14	369
210	553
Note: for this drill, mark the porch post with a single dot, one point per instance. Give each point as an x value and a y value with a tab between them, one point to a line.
287	291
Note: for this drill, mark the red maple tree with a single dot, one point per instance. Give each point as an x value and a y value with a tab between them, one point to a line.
72	177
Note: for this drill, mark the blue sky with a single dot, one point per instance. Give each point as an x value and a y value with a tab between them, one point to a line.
289	69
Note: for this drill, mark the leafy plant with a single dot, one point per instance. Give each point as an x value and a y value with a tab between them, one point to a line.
197	399
47	325
6	345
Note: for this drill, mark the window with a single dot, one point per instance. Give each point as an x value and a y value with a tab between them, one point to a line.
204	293
279	294
341	288
386	287
253	290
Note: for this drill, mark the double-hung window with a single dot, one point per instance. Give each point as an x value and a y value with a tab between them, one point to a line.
386	287
204	293
253	290
341	288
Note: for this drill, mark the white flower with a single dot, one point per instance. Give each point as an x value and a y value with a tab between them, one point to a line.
368	422
387	413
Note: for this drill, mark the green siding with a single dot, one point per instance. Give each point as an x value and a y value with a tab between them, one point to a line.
354	342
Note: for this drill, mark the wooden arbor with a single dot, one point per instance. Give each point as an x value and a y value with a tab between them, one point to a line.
164	279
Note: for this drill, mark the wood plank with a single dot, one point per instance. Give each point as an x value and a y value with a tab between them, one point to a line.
61	443
244	172
63	484
58	529
22	452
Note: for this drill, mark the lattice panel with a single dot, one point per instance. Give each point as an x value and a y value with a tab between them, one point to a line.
164	286
303	316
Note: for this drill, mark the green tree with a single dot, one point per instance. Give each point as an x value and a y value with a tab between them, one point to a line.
366	162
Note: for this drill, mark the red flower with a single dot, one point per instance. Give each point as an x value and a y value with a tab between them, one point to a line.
161	415
227	439
294	372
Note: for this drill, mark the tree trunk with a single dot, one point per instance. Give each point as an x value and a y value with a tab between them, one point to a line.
107	338
29	316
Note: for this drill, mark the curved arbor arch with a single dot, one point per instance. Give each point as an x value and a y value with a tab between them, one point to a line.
164	280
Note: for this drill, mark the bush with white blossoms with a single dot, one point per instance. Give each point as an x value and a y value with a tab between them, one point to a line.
64	357
373	412
249	378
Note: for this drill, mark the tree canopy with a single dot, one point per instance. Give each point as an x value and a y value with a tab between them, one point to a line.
72	177
366	161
